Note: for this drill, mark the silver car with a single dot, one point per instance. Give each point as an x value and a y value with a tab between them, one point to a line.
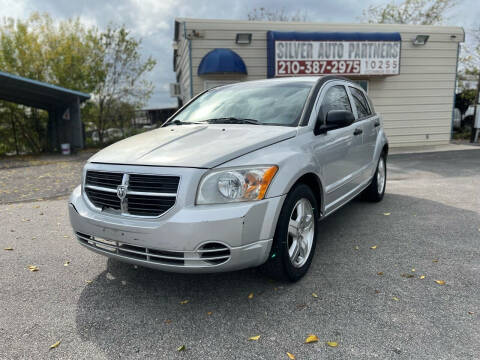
237	178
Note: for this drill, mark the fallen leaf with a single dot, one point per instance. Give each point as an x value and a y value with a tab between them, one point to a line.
373	247
377	291
413	270
471	312
311	339
88	281
435	260
55	345
250	296
380	273
66	236
209	313
32	268
291	356
386	214
422	277
356	247
168	321
332	343
181	348
66	263
395	298
440	282
8	248
254	338
183	302
407	276
314	295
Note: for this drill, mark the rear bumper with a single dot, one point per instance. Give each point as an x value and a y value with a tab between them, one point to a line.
179	241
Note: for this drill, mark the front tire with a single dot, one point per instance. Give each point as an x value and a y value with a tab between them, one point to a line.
295	236
376	190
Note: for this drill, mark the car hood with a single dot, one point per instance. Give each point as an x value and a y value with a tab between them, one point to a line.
201	146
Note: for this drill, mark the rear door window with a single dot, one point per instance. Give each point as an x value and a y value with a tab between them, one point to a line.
361	103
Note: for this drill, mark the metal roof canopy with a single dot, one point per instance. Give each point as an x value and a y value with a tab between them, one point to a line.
55	99
35	93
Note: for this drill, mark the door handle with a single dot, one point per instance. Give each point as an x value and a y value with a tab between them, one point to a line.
357	131
377	123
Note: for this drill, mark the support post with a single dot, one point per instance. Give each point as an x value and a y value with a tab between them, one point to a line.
76	125
473	135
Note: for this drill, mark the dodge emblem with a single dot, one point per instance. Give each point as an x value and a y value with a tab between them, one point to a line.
121	191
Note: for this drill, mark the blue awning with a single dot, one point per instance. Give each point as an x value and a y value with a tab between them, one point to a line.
220	61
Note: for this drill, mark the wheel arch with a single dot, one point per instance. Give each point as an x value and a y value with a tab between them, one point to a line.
313	181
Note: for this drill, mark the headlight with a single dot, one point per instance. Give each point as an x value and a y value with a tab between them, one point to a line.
234	185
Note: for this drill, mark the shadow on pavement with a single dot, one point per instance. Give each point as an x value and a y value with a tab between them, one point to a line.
137	313
446	164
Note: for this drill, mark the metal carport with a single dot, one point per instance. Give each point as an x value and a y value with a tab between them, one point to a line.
62	105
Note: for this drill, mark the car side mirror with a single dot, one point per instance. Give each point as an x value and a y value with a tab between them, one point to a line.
335	119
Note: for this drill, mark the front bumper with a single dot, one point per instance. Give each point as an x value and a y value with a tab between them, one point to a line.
181	240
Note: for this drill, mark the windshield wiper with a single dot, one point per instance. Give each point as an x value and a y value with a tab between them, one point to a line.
180	122
232	120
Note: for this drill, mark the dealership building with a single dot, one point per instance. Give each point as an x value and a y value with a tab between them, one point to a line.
409	71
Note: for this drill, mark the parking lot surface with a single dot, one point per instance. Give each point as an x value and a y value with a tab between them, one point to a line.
371	288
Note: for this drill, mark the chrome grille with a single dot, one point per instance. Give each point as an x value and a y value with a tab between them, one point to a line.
147	205
103	179
132	194
207	255
103	199
153	183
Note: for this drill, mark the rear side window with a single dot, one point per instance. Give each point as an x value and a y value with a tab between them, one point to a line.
336	98
361	103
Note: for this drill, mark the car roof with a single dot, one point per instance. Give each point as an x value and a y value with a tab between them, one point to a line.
300	80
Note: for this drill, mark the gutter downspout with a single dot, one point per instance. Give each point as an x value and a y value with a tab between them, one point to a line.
189	58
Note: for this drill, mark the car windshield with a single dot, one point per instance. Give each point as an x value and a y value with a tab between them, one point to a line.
269	103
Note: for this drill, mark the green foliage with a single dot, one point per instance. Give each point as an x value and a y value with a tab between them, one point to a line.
67	53
470	59
420	12
123	88
464	99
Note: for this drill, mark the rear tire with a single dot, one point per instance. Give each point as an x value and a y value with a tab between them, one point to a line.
376	190
295	236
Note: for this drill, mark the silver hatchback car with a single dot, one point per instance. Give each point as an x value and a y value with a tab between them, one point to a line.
237	178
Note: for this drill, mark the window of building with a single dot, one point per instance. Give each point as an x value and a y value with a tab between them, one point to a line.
363	84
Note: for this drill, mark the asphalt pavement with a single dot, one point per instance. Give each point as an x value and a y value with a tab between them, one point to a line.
371	287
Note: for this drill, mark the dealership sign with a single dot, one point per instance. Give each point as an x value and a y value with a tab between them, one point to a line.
320	53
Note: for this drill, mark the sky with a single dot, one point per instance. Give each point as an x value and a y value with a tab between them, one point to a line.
152	21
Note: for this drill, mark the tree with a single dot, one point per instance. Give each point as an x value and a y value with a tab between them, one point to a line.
470	59
264	14
37	48
419	12
123	80
67	53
